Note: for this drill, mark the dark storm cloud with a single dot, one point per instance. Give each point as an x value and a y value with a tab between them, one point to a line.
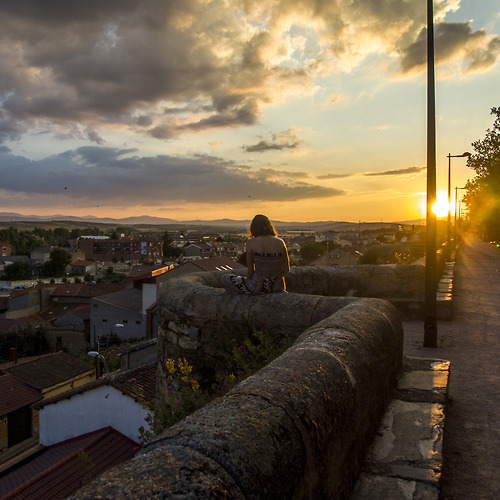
402	171
479	50
167	68
110	176
102	61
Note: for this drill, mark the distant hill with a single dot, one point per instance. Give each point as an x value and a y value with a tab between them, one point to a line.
146	220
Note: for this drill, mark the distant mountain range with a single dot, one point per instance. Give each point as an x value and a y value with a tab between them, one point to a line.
146	220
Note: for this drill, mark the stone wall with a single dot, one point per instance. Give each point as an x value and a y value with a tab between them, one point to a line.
298	428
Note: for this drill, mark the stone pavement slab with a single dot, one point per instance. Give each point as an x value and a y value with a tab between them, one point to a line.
405	460
470	340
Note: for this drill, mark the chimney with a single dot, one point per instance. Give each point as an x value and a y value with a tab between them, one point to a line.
13	355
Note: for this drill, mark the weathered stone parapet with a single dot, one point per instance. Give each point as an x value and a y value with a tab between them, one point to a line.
298	428
380	281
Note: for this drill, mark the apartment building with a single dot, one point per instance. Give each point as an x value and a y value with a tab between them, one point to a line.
127	249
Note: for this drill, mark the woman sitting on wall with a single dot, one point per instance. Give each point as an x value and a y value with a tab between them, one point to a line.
267	261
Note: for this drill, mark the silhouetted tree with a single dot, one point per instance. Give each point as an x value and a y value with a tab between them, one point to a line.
311	251
28	340
483	192
169	249
17	271
56	266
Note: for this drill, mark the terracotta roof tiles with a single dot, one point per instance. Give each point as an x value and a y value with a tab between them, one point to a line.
51	369
15	394
60	470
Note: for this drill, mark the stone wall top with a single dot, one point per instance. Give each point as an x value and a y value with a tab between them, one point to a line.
298	428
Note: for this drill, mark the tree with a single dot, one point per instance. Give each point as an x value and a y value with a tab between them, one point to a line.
61	236
312	251
29	340
483	192
56	265
170	251
17	271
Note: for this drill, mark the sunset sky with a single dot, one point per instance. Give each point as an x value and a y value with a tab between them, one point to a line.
303	110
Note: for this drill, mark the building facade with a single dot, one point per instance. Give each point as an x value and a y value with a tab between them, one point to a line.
126	249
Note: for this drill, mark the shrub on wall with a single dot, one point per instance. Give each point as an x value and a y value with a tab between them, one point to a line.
234	353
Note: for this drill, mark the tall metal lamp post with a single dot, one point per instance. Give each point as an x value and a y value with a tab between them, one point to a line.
448	240
430	306
456	212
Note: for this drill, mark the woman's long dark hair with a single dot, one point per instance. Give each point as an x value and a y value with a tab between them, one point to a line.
262	226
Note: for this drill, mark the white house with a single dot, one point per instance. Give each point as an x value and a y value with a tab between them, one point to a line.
111	401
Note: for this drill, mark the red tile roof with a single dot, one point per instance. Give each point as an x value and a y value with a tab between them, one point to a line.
57	309
51	369
86	290
61	469
83	263
140	381
15	394
147	270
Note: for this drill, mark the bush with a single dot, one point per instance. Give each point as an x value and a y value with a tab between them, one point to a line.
239	353
28	340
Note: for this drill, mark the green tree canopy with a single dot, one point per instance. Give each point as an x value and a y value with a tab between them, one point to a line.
311	251
170	251
483	191
17	271
29	340
56	266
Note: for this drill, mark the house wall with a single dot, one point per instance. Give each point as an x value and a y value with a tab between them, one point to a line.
74	342
41	254
149	295
139	357
23	305
4	436
4	430
69	384
5	249
92	410
104	317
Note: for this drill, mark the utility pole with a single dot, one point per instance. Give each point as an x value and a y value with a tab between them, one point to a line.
430	308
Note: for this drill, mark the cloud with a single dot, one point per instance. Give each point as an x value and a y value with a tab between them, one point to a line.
110	176
277	142
271	173
169	68
402	171
477	50
333	176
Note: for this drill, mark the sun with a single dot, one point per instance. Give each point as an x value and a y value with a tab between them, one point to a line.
440	207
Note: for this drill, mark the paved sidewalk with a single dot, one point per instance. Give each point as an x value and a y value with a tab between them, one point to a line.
471	341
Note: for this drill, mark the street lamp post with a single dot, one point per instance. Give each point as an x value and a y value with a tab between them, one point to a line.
448	239
100	357
430	306
456	211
